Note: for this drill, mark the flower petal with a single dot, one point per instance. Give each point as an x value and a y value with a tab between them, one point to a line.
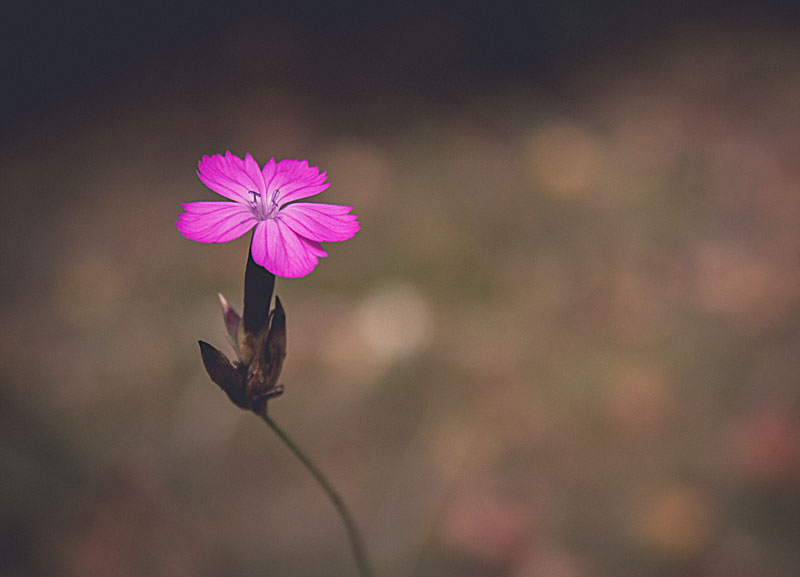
314	247
215	221
320	222
231	176
294	178
254	175
282	252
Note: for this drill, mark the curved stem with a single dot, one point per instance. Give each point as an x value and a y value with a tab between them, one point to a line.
352	533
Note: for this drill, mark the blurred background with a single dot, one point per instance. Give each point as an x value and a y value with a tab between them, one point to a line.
564	343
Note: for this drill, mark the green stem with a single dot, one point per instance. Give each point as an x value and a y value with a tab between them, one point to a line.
350	526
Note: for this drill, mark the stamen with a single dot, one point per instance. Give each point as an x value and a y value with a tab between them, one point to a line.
273	202
256	205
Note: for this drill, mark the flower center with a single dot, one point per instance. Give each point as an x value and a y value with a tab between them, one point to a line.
262	208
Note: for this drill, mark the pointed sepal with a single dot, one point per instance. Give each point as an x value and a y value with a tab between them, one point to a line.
225	375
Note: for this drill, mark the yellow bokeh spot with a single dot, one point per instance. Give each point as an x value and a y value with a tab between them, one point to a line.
564	159
678	520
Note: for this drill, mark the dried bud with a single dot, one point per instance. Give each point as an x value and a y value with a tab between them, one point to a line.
265	370
275	347
232	321
224	374
259	338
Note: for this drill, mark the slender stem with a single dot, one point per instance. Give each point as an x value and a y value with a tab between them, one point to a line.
352	533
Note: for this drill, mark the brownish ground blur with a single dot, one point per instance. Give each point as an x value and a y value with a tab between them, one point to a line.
564	344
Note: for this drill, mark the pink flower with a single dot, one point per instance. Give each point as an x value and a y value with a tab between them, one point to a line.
287	235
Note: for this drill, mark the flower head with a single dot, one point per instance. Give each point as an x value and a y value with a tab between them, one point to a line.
287	233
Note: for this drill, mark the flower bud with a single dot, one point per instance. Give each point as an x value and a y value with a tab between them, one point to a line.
232	322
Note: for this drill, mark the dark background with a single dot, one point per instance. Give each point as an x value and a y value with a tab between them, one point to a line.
82	53
564	343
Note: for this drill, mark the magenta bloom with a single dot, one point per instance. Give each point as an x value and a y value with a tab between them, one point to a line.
287	236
